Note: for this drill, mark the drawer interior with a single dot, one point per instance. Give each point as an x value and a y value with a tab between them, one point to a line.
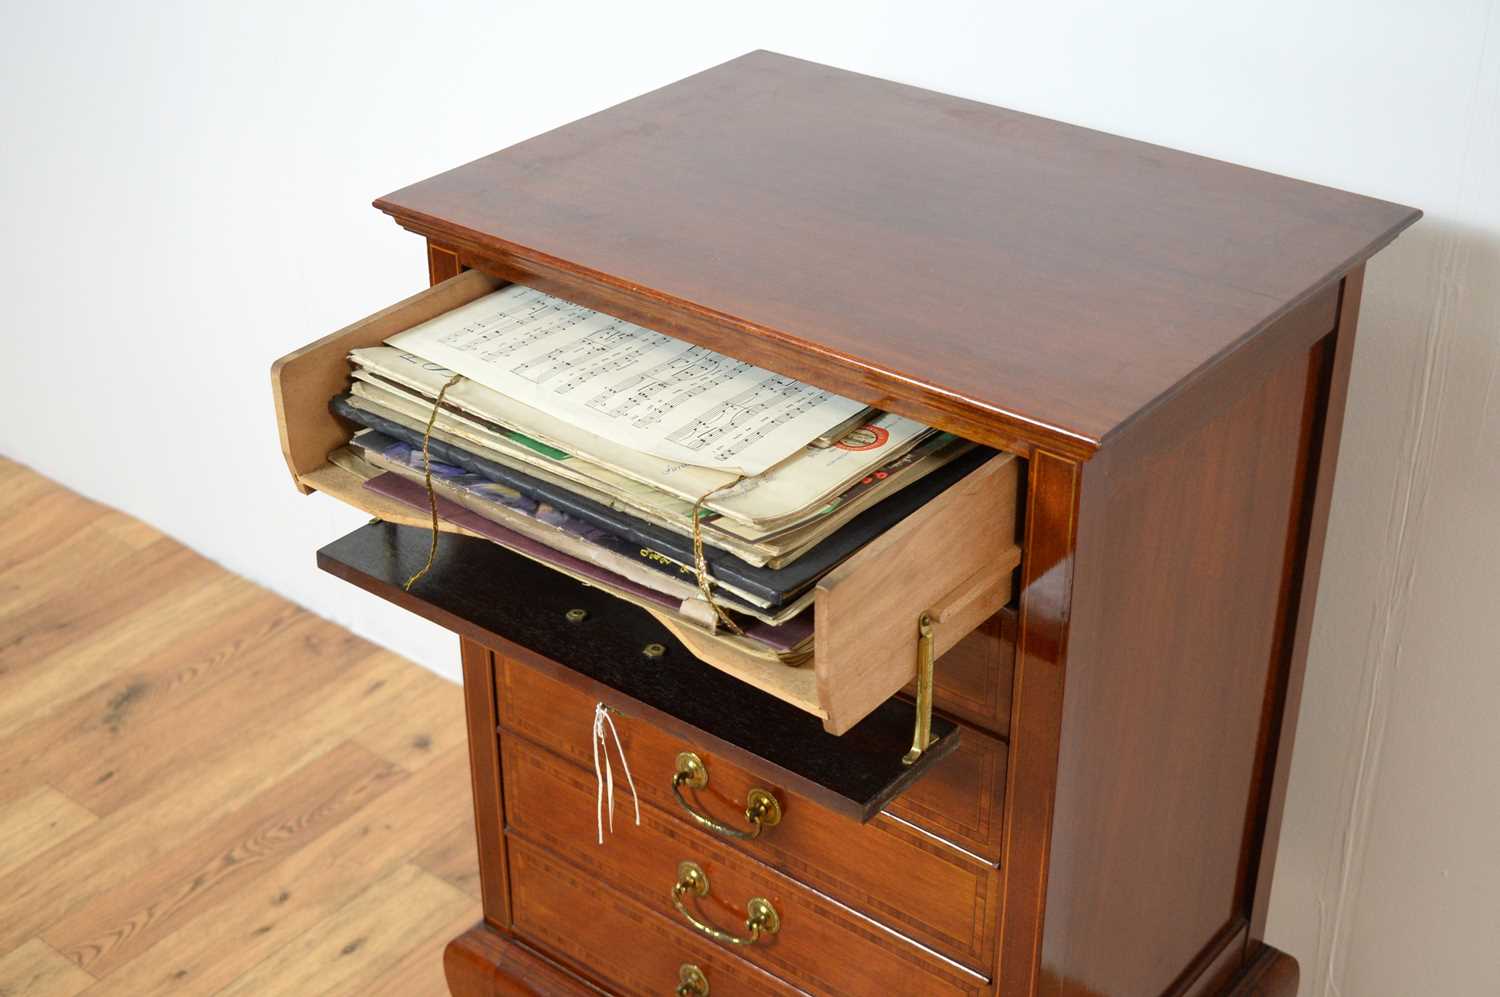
952	559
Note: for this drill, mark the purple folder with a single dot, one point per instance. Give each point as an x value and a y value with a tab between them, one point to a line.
782	638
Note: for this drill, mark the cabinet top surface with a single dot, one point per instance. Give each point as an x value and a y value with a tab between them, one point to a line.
993	264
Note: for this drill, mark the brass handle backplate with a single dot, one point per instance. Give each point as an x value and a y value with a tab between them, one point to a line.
760	917
691	982
761	808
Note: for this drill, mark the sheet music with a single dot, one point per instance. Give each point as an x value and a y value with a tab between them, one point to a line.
632	386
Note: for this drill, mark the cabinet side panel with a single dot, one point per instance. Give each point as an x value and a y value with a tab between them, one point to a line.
1186	530
1041	652
484	768
1323	454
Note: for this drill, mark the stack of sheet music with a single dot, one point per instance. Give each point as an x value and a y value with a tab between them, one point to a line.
594	446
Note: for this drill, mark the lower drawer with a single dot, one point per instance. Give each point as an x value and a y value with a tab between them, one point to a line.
960	798
821	944
941	897
569	914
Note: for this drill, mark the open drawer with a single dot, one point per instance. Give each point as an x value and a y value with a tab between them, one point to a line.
952	560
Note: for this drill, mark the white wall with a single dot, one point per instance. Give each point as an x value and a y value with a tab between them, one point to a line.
185	197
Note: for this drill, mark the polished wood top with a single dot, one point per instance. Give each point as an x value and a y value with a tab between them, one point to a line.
958	262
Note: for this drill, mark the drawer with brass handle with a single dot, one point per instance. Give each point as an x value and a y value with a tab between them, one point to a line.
711	889
762	809
570	914
691	982
946	898
960	799
761	919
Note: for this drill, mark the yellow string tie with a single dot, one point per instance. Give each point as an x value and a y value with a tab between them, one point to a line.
700	563
427	476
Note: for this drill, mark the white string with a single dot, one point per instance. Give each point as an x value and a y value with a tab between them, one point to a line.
606	779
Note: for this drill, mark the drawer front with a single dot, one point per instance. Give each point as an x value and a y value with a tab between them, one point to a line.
952	558
570	914
552	802
960	798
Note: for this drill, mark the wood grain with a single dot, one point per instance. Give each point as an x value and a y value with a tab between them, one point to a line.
249	684
94	724
233	854
866	641
214	779
37	968
345	954
1175	626
960	799
69	642
307	888
988	271
637	948
202	782
1301	594
973	680
480	711
427	727
450	855
38	533
420	970
1035	733
36	822
441	264
104	545
942	899
483	962
559	814
304	380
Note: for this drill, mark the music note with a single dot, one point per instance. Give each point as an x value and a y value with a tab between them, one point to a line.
633	386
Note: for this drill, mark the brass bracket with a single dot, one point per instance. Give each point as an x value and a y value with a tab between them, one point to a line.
922	736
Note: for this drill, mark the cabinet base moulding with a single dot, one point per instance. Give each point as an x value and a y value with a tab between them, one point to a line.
483	962
1268	973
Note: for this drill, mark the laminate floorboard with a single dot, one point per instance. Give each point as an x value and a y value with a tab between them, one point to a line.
205	789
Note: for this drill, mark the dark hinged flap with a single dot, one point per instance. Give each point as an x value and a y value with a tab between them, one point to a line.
519	608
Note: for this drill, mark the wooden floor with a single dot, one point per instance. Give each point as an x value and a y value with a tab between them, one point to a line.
203	788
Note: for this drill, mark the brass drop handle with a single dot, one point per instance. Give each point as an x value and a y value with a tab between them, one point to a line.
761	808
691	982
760	917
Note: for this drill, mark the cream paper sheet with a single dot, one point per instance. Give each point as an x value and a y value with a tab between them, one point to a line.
632	386
788	491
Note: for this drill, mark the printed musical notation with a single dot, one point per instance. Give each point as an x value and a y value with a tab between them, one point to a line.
631	385
738	423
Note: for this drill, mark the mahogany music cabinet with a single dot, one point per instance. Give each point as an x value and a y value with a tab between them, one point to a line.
1161	343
